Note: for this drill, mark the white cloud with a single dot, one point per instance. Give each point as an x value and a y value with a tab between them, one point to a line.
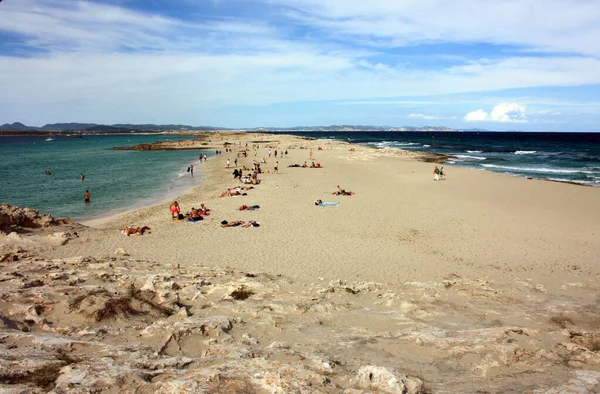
501	113
569	26
109	63
423	116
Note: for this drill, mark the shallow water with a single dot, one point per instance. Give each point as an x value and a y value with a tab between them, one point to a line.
117	180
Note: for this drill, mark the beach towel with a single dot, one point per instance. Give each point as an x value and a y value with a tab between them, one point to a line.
329	204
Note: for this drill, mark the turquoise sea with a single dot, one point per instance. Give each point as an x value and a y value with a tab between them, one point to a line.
117	180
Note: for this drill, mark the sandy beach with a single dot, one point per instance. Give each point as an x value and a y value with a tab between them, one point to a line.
399	226
409	285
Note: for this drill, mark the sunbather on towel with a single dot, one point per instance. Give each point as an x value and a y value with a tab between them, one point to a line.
320	203
249	208
240	223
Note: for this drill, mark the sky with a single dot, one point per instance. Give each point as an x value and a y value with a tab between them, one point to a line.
531	65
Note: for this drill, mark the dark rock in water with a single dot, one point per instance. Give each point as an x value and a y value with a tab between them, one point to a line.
12	216
168	145
434	157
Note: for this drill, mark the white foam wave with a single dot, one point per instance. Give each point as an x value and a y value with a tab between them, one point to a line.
571	181
539	169
426	146
471	157
525	152
474	151
406	143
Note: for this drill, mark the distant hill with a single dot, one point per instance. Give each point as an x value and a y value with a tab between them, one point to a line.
124	128
99	128
66	126
17	126
349	128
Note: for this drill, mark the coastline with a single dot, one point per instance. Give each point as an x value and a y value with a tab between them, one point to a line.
371	159
409	285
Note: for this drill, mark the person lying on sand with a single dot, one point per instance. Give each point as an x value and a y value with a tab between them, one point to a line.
231	192
321	203
236	191
249	208
342	192
240	223
203	210
134	230
195	215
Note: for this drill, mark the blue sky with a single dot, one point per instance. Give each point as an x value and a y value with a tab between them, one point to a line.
499	65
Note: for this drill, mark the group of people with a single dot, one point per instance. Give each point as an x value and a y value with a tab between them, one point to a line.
281	153
312	165
240	223
195	214
438	173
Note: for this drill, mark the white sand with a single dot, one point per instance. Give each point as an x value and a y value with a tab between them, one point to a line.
399	226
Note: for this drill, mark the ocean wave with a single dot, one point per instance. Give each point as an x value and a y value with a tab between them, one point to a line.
540	169
572	181
471	157
382	144
426	146
525	152
474	151
406	143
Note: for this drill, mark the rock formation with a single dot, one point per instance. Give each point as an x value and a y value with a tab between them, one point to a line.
12	217
91	325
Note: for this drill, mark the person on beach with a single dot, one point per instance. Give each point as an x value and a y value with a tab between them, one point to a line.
276	169
240	223
203	210
269	153
227	163
174	208
134	230
192	169
195	215
310	154
276	154
320	203
342	192
436	174
87	196
442	173
205	158
286	153
236	174
82	177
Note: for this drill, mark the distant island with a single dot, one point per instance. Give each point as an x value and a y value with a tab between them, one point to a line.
93	128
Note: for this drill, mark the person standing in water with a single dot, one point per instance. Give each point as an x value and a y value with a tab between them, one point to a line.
192	169
82	177
87	196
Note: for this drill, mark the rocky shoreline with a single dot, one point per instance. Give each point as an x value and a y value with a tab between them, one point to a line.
389	292
89	325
